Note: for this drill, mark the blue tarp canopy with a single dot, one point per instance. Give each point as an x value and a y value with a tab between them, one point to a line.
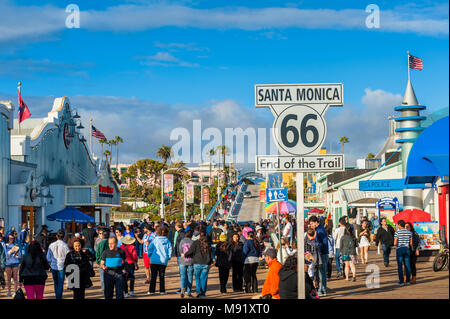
70	213
428	158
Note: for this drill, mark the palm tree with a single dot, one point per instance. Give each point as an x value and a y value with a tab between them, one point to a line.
118	140
107	153
224	151
211	154
111	143
102	141
165	152
342	141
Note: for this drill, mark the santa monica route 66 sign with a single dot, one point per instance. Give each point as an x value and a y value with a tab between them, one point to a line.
299	129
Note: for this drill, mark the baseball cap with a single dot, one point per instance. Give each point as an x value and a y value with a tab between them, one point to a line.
271	252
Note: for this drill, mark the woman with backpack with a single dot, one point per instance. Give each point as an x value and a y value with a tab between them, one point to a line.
224	255
348	252
200	251
186	265
251	260
131	265
33	271
81	258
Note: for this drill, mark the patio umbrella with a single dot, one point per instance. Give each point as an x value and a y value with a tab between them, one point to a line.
288	207
412	215
70	214
315	211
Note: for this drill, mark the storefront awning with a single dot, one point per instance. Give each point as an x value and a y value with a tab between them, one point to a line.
428	159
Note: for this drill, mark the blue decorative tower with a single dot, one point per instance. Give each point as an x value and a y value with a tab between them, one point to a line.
409	129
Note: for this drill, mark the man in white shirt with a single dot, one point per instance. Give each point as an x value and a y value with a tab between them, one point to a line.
56	256
337	235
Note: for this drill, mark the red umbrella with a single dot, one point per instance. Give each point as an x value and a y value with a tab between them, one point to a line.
315	211
412	215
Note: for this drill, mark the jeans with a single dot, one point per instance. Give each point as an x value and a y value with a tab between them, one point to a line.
338	258
213	251
157	269
386	252
129	276
186	277
113	280
102	278
323	273
201	278
139	249
58	280
403	257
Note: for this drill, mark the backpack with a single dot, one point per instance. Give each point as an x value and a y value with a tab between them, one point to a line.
185	248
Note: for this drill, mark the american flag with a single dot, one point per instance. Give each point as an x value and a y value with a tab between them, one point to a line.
96	133
415	63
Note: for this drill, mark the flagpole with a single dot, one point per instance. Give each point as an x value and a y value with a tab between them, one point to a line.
90	135
19	89
409	71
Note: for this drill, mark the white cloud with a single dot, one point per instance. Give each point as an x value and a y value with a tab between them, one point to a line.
34	21
165	59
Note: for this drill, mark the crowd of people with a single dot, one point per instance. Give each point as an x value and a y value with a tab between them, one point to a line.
236	250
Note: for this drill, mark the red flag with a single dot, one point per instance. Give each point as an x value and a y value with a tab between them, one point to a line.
24	112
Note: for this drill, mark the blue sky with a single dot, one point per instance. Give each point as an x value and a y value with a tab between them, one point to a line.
157	58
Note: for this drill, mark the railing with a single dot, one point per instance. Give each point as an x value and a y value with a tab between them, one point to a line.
236	207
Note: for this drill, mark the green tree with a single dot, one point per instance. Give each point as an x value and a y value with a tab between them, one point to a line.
107	153
370	156
224	151
342	141
211	153
118	140
164	152
102	141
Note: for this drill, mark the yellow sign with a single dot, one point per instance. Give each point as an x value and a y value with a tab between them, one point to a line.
263	185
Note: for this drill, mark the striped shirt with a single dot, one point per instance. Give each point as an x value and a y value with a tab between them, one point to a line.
403	235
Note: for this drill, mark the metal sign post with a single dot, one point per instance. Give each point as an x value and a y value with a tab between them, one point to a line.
300	236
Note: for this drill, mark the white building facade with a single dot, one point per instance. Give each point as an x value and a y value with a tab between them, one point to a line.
46	166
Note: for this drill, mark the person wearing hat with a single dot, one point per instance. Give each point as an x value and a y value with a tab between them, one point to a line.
131	263
270	289
223	261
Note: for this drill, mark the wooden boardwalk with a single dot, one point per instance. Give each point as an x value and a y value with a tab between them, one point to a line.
430	285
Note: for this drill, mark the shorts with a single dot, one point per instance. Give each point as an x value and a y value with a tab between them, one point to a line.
351	258
146	260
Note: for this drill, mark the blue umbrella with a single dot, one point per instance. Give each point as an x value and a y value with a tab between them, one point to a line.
70	214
